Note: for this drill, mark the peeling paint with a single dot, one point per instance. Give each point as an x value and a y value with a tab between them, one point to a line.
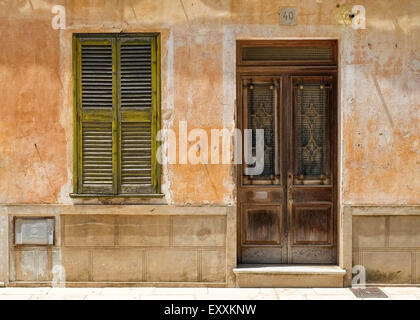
379	77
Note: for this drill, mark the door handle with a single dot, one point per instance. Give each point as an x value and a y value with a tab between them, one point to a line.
290	189
290	194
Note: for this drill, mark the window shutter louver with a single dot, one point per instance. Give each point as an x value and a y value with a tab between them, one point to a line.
286	52
97	139
136	104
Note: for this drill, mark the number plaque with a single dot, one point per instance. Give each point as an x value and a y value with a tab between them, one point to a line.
288	16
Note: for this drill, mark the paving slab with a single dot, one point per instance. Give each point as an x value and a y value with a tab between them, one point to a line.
293	297
188	291
113	297
333	291
23	291
123	291
400	290
168	297
331	297
212	294
294	291
16	297
403	297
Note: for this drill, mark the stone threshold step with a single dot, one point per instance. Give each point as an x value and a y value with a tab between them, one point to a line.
289	269
288	276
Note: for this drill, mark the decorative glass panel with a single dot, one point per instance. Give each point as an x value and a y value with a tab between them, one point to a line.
311	132
261	115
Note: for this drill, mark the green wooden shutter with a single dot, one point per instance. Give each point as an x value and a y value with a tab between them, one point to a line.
96	116
137	77
117	116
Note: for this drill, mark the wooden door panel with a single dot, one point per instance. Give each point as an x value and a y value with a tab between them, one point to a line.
262	224
312	194
312	224
312	255
262	254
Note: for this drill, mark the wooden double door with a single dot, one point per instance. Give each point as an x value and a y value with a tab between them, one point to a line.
287	208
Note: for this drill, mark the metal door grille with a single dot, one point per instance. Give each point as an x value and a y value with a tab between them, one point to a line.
371	293
286	53
311	122
261	115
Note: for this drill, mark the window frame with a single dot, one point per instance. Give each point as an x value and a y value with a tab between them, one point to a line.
154	39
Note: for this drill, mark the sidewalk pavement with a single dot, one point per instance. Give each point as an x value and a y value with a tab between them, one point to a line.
393	293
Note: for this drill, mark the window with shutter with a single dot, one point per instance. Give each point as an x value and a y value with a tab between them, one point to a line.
116	79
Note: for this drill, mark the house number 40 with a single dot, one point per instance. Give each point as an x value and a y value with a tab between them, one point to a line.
288	16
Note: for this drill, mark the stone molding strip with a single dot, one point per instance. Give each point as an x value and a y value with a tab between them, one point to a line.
54	209
380	210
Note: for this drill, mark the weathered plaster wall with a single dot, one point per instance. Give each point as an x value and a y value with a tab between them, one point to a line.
32	139
379	82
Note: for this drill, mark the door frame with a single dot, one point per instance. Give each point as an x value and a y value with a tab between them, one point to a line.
283	71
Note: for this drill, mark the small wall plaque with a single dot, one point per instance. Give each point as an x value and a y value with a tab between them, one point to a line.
261	195
34	231
288	16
